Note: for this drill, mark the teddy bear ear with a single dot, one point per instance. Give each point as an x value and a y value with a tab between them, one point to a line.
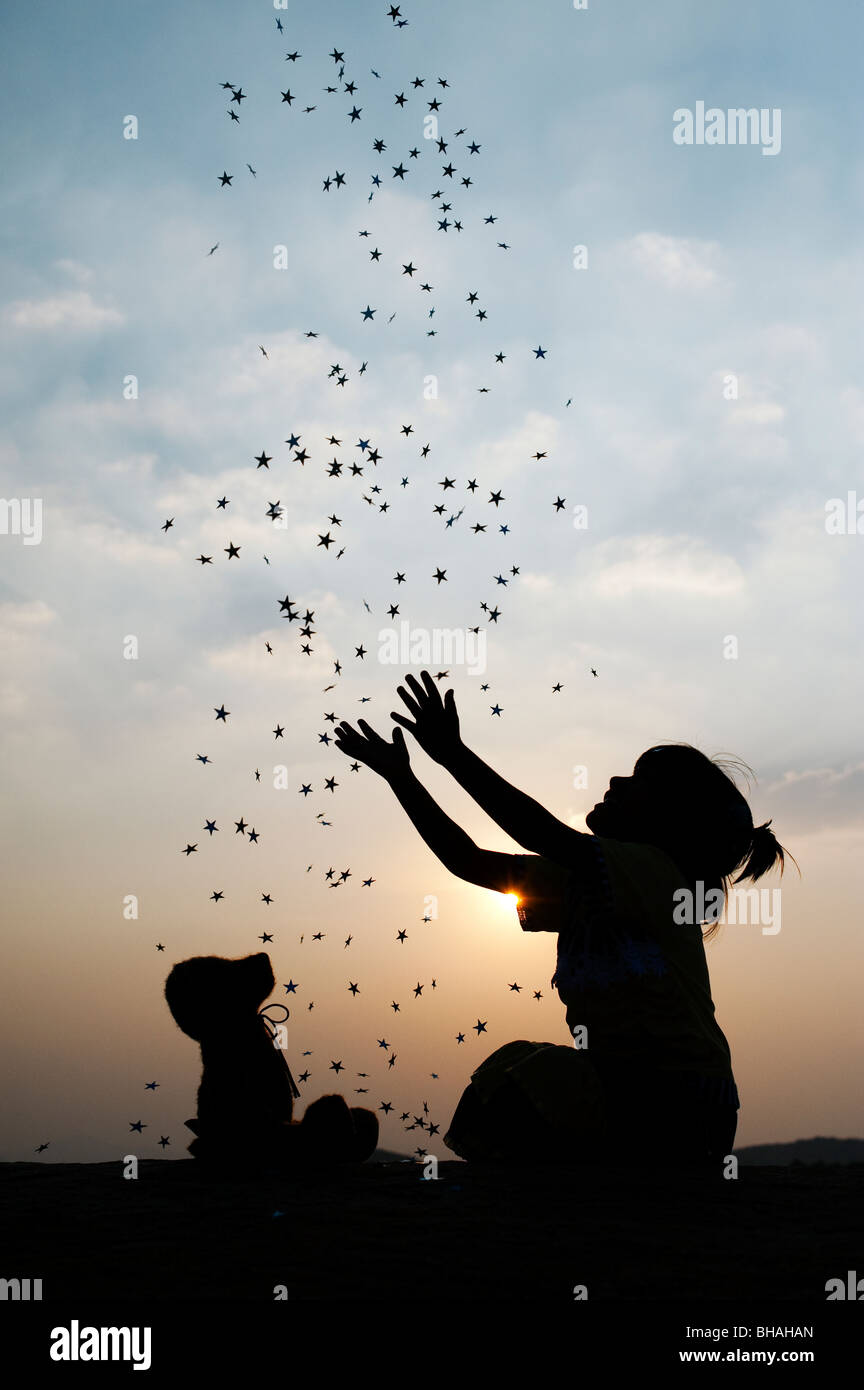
263	969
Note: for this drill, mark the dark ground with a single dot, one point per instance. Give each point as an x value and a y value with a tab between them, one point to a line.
382	1232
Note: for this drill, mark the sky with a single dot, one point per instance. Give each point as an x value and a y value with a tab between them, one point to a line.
697	405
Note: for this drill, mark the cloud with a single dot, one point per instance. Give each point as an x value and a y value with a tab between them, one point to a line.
792	342
248	659
23	641
539	583
139	466
664	564
760	413
851	401
817	798
118	545
679	262
22	618
76	310
75	270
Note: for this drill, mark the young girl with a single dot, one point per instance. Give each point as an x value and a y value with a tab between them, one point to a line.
650	1077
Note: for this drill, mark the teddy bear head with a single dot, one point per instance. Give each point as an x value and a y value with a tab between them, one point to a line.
209	993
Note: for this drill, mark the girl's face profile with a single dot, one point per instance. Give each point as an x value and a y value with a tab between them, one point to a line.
634	804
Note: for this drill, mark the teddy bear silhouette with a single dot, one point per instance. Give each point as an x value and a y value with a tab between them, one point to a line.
246	1097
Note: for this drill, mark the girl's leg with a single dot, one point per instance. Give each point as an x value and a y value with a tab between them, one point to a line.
530	1102
500	1128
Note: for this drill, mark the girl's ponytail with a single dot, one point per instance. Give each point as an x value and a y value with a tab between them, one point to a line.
764	852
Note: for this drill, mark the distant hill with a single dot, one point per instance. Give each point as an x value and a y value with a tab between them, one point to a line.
818	1150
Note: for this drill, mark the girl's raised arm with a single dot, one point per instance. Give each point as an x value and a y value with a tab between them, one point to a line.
448	841
436	728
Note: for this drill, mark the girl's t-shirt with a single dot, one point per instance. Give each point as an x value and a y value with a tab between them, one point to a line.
629	974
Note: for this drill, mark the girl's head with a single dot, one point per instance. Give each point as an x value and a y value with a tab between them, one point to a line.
686	804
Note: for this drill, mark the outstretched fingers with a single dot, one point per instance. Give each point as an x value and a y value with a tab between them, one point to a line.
350	738
370	733
406	723
426	694
425	690
431	685
412	704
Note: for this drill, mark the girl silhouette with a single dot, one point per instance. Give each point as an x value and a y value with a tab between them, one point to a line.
650	1078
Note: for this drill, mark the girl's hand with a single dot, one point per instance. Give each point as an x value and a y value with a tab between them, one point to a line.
387	759
436	723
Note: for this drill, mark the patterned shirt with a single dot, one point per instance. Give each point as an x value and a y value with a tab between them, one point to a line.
627	972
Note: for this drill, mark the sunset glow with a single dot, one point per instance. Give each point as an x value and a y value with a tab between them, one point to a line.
617	477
